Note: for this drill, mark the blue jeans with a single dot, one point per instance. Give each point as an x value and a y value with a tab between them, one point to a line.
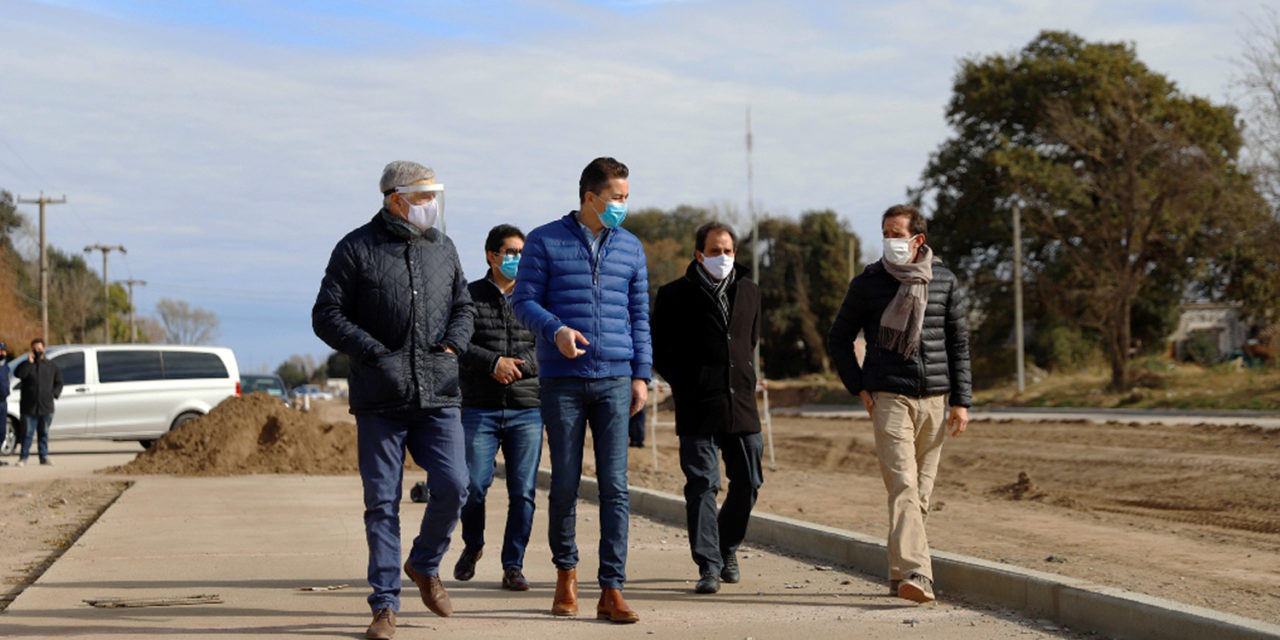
519	433
38	427
434	439
568	405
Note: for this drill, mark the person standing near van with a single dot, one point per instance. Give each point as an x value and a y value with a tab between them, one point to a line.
394	299
4	394
500	410
41	385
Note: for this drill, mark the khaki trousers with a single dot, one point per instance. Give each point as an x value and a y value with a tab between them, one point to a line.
909	435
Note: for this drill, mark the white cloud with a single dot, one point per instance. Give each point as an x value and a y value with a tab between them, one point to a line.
229	163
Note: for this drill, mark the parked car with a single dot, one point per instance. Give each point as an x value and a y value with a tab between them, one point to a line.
314	391
265	382
130	392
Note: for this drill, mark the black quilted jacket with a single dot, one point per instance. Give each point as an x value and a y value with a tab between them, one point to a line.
941	366
392	300
498	334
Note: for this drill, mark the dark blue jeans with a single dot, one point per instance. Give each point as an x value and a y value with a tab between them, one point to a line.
434	438
568	406
713	536
518	432
37	427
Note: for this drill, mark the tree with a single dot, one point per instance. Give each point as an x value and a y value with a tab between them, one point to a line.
186	325
338	365
1128	188
297	370
1259	83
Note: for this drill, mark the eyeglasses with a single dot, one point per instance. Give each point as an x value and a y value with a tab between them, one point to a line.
510	253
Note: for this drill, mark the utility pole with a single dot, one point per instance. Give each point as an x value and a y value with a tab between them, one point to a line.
106	287
44	262
1017	294
755	228
133	327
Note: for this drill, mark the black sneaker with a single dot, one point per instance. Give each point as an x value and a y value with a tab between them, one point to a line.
708	583
466	567
730	572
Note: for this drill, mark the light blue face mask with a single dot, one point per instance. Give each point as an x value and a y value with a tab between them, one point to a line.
613	215
510	266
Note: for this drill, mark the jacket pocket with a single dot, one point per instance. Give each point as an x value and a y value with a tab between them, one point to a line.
444	372
385	380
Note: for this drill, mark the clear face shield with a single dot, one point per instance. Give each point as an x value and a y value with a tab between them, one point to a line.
431	195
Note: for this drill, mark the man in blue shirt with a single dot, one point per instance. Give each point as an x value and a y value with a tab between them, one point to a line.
583	290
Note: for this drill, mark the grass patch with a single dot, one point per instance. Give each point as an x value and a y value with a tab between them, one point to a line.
1158	384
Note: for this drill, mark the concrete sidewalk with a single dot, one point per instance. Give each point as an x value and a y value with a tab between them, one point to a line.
254	540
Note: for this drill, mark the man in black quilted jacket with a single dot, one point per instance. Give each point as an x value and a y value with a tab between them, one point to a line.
908	308
500	410
394	299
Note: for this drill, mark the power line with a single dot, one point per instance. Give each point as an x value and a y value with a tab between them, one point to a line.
44	261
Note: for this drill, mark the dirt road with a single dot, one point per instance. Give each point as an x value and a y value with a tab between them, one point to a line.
1186	513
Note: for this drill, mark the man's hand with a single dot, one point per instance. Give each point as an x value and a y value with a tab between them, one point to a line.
868	401
449	349
639	395
567	341
508	370
959	420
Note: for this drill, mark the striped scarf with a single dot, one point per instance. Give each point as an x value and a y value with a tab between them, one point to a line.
719	291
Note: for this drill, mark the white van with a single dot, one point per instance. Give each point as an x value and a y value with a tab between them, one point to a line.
129	391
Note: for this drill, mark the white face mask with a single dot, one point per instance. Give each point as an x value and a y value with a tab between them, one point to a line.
719	267
422	216
897	250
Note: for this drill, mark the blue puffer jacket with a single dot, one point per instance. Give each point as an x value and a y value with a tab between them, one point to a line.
607	300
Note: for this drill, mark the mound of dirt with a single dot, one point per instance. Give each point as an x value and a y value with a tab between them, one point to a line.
255	433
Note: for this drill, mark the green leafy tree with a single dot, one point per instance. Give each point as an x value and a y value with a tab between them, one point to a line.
338	365
1127	186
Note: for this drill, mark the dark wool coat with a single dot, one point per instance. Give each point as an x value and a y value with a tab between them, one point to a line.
392	303
41	385
497	334
709	365
940	366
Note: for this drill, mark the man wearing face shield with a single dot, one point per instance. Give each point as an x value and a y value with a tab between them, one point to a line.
583	291
705	329
908	308
394	299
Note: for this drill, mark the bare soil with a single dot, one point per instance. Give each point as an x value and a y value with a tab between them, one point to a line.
255	433
41	519
1191	514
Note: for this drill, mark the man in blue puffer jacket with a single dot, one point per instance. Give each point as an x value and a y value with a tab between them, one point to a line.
583	290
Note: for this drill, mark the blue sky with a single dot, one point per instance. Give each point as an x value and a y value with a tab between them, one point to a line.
228	145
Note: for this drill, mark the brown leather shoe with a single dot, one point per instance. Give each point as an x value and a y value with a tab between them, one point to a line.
432	590
383	626
614	609
566	602
513	580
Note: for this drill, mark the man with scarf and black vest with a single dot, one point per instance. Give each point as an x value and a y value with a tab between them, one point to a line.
394	299
908	308
705	328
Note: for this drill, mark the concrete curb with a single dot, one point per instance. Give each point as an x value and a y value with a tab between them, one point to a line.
1076	603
